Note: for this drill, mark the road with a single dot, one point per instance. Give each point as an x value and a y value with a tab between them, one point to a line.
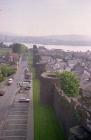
16	118
8	98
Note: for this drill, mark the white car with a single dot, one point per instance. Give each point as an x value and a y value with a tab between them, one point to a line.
23	99
28	80
10	81
25	85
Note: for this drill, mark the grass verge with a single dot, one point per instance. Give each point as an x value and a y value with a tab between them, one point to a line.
46	126
4	51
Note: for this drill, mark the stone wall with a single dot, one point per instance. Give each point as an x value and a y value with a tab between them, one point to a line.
36	59
47	88
39	65
36	56
69	111
85	109
40	68
64	107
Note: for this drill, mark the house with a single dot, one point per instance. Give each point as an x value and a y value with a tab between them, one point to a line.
2	59
78	69
12	58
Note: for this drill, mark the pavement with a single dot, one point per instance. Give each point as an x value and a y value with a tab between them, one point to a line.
30	132
16	118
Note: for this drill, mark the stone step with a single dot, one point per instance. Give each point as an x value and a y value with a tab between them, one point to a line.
19	109
12	138
13	133
12	117
16	126
18	113
17	121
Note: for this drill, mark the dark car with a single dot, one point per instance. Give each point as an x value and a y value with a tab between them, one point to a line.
23	99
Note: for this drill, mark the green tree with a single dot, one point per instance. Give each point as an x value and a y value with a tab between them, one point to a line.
69	83
1	77
7	70
18	48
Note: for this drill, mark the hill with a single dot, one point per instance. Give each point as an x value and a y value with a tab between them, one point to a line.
53	40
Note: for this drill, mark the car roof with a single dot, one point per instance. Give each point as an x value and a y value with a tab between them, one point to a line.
10	79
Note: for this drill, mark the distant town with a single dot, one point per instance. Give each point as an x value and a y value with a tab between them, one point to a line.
59	60
74	40
39	68
73	111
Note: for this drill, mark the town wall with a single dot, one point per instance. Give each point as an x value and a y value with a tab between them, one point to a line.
47	88
36	59
40	68
64	107
69	111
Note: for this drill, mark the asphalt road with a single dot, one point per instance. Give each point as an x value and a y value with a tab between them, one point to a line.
8	98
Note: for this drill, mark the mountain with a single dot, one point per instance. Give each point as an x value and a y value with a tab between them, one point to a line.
54	40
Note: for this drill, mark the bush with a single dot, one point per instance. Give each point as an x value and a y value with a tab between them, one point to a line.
18	48
7	70
69	83
1	77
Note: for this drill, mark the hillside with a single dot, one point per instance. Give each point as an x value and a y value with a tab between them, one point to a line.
56	40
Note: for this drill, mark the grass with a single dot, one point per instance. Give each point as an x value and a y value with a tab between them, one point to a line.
30	61
4	51
46	126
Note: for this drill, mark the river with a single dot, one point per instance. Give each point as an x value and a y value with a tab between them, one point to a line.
63	47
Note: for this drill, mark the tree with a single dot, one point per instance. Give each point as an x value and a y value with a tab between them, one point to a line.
69	83
1	77
18	48
7	70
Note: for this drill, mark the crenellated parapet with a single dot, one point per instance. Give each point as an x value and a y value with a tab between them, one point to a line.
64	106
47	85
66	110
40	68
36	56
70	111
85	109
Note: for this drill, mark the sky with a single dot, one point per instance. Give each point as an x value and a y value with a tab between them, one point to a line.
45	17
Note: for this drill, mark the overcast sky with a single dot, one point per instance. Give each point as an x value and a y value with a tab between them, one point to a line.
45	17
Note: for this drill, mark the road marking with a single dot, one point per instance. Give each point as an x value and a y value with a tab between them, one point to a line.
25	109
16	120
13	130
17	115
17	124
19	112
12	137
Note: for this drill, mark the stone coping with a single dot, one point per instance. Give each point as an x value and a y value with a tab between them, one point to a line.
49	75
41	62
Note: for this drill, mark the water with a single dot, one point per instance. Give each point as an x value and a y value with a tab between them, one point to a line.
69	48
63	47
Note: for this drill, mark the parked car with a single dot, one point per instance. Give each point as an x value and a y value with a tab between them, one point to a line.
2	92
25	85
28	80
26	70
27	75
10	81
23	99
